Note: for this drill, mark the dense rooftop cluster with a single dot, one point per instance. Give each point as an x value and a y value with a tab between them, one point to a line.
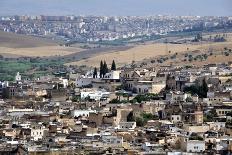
174	109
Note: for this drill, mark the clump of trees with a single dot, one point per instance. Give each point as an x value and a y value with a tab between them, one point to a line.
137	99
162	59
144	97
210	116
226	53
173	56
201	91
76	98
142	119
190	58
201	57
197	38
219	38
153	61
195	136
104	69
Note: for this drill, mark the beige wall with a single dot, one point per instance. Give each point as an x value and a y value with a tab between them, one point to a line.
196	129
156	88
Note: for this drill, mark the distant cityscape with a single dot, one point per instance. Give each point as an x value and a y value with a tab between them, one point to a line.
103	28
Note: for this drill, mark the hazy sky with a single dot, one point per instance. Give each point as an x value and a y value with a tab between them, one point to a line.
116	7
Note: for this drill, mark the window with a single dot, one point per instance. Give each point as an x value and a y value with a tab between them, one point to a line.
195	147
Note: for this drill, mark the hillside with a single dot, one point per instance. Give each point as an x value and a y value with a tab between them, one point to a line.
12	40
16	45
152	50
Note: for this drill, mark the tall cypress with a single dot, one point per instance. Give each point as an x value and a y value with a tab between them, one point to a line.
101	69
113	66
95	73
105	69
204	88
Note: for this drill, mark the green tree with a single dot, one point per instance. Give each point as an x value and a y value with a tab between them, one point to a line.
76	98
201	91
113	66
210	116
101	69
105	69
139	121
95	73
199	36
130	117
115	100
204	88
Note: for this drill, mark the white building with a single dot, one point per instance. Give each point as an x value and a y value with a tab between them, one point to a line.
176	96
195	146
84	113
112	140
16	113
223	143
113	75
82	82
86	80
38	132
126	126
149	87
65	82
97	95
215	126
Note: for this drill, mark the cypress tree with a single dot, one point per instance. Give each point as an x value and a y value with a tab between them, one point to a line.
95	73
113	66
204	88
101	69
105	69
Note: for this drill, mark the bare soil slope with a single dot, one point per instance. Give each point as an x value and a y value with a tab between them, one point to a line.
15	45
